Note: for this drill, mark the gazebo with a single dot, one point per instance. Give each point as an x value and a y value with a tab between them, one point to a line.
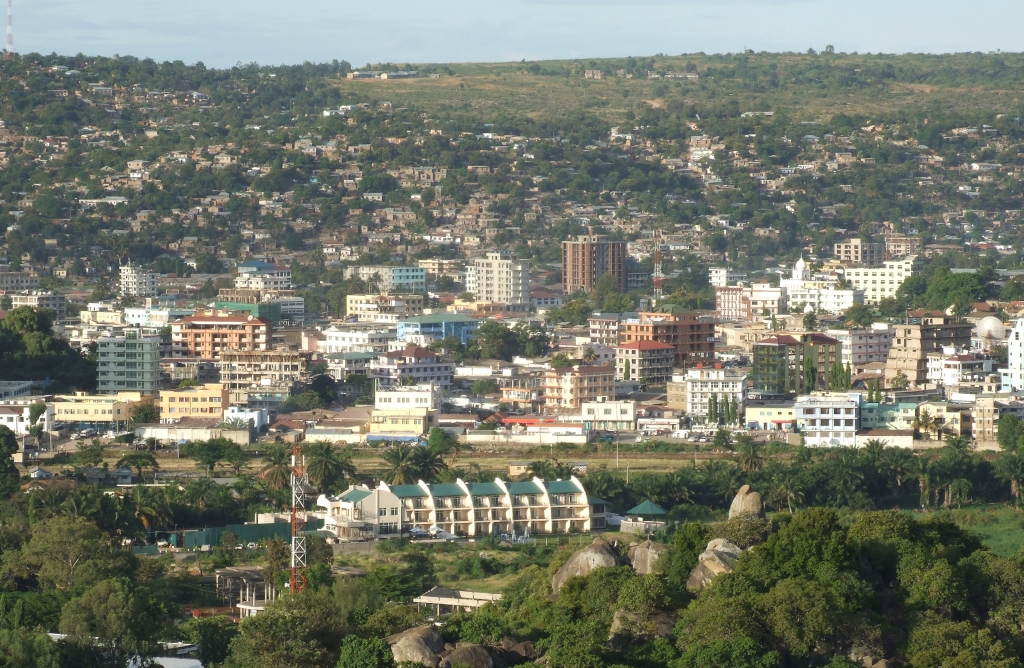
635	523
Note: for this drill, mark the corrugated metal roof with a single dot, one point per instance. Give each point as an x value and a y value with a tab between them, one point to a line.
408	491
485	488
355	496
528	487
561	486
447	489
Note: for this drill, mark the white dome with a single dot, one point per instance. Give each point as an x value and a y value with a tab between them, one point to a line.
990	326
809	308
800	264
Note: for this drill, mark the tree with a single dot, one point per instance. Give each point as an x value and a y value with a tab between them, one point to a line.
900	381
276	471
207	454
810	374
810	321
625	370
429	464
749	450
145	413
897	463
66	553
859	315
924	422
114	615
485	386
26	648
1010	468
9	476
90	454
300	631
561	361
328	467
212	635
722	440
139	460
359	652
1011	430
401	465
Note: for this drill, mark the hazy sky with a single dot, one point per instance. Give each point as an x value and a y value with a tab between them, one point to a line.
223	32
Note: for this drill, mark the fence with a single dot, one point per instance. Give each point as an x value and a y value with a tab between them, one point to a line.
246	533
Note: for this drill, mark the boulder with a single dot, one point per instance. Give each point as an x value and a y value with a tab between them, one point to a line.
526	649
630	624
645	555
598	554
420	644
746	502
470	655
719	557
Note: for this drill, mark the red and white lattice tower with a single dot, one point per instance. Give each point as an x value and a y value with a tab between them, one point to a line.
10	30
658	277
300	481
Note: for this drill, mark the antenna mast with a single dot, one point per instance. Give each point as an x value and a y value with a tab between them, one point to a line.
658	278
10	30
300	480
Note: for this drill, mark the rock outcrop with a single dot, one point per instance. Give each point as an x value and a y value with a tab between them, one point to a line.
645	555
470	655
719	557
660	624
746	502
598	554
420	644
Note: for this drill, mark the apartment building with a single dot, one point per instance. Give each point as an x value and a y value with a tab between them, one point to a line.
16	413
498	278
566	389
901	245
644	361
383	308
865	345
405	412
356	339
720	277
589	257
259	275
386	280
859	252
1013	374
97	411
609	415
41	300
437	326
911	344
203	401
437	266
207	335
953	370
522	391
243	372
691	334
829	419
464	509
129	362
749	303
136	281
16	281
706	381
606	327
154	318
882	282
412	363
786	365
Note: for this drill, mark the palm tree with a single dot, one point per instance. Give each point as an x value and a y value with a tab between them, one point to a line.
1010	468
402	467
874	451
602	484
846	474
921	468
960	445
429	463
328	468
751	459
785	489
924	422
201	492
589	356
898	463
277	470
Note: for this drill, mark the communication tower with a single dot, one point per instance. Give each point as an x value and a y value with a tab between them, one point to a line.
300	481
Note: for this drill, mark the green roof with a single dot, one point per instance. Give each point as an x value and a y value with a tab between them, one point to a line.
561	486
647	508
355	496
439	317
447	489
485	488
353	356
528	487
594	501
407	491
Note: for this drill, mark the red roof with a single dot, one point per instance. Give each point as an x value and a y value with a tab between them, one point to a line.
646	345
411	351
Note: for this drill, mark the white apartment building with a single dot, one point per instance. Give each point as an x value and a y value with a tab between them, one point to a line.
257	275
415	363
464	509
154	318
41	300
130	362
822	293
703	382
749	303
386	280
425	395
357	340
829	419
497	278
878	283
720	277
608	415
1013	374
864	346
15	413
951	369
136	281
12	389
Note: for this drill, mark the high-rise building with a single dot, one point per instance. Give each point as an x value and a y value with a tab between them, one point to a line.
1013	374
588	258
130	362
725	385
566	389
931	332
901	245
864	346
497	278
259	275
645	361
243	372
879	283
859	252
692	335
136	281
787	365
206	335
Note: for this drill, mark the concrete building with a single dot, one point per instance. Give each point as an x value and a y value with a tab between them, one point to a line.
202	401
438	326
16	281
259	275
405	412
605	328
805	292
932	331
413	363
97	411
749	303
136	281
720	277
12	389
770	415
243	372
566	389
864	346
692	335
880	283
829	419
1013	374
42	300
154	318
783	365
609	415
497	278
859	252
589	257
356	339
891	416
386	280
648	362
383	308
207	335
704	382
130	362
16	413
953	370
901	245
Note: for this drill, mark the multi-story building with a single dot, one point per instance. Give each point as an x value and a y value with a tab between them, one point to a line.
437	266
136	281
16	281
203	401
589	257
720	277
805	292
497	278
953	370
412	363
42	300
770	415
933	331
522	391
987	411
725	385
130	362
390	279
880	283
207	335
692	335
405	412
890	416
566	389
438	326
829	419
16	413
644	361
154	318
864	346
605	327
1013	374
749	303
82	410
901	245
609	415
859	252
12	389
465	509
786	365
356	339
243	372
259	275
383	308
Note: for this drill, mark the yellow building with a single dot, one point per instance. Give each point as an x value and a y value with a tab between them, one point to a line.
206	401
97	411
402	423
770	416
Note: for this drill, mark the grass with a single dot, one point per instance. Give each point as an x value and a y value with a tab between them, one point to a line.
1000	527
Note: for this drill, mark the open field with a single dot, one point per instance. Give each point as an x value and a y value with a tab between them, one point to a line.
1000	528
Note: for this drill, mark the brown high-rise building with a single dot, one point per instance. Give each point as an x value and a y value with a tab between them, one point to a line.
206	335
931	332
588	258
692	335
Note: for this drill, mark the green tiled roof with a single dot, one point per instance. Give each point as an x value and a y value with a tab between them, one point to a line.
647	508
355	496
485	489
561	486
439	317
407	491
447	489
528	487
594	501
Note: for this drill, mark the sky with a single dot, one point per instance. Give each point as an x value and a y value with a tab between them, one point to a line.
221	33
